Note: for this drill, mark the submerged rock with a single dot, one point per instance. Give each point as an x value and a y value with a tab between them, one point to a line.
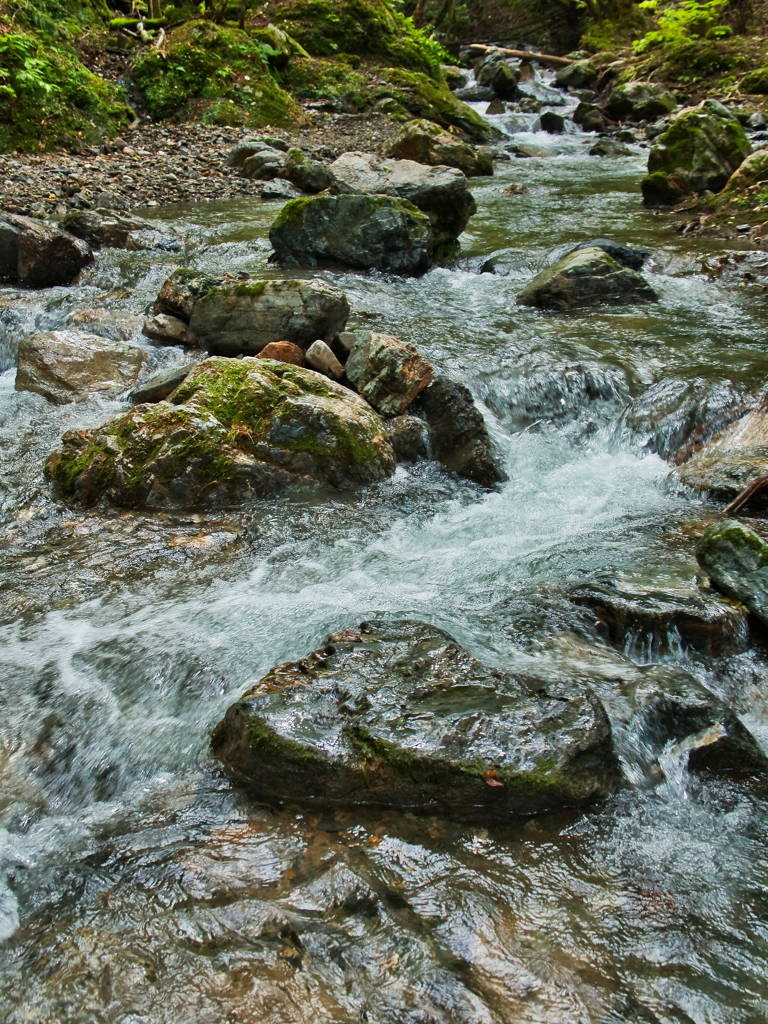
68	366
640	101
654	621
387	372
586	277
36	256
736	560
440	192
235	430
240	319
427	143
396	713
731	460
102	230
458	434
363	231
699	152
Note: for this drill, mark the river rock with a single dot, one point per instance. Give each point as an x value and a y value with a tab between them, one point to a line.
320	357
36	256
736	560
397	714
458	434
240	319
235	430
654	621
496	74
640	101
284	352
103	231
609	147
700	150
626	255
753	171
732	459
427	143
576	75
311	176
409	437
159	387
181	291
168	330
528	152
366	232
277	189
68	366
456	78
115	324
440	192
585	277
552	122
387	372
255	158
661	714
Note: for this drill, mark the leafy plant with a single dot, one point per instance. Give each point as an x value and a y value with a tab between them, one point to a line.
681	26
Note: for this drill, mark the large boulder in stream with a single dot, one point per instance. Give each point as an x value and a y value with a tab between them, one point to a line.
37	256
181	291
69	366
733	459
640	101
586	277
458	434
699	152
234	430
428	143
242	318
362	231
111	230
440	192
397	714
736	560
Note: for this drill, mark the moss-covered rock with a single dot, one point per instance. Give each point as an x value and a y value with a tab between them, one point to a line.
204	65
702	147
755	81
234	430
396	713
585	277
736	560
409	94
371	29
640	101
368	232
332	84
48	98
660	189
428	143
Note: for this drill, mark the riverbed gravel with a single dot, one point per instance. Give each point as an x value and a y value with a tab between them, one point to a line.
151	164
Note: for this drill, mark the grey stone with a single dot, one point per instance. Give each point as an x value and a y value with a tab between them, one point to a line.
552	122
181	291
310	176
626	255
396	713
367	232
69	366
320	357
37	256
168	330
640	101
458	434
240	319
585	277
159	387
409	437
736	560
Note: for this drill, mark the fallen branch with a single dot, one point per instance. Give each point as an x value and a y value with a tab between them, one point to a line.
540	58
749	492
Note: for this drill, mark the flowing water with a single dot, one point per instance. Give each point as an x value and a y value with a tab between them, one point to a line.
138	887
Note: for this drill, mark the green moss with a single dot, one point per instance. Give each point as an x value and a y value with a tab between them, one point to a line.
366	28
421	97
206	64
48	98
332	81
755	82
262	738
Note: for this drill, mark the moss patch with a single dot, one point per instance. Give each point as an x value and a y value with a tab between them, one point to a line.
206	65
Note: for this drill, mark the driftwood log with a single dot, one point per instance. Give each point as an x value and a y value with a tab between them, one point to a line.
541	58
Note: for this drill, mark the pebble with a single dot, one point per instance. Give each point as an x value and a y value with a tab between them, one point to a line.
156	164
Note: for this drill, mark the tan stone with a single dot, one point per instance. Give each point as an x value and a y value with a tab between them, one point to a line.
283	352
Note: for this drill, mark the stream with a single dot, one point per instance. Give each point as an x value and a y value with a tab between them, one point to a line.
137	886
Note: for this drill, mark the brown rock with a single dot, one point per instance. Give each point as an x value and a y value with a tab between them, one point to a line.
37	256
283	352
387	372
168	330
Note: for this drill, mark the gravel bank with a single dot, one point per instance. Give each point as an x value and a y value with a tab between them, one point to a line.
155	164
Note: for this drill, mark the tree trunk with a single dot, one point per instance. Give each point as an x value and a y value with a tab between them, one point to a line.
418	14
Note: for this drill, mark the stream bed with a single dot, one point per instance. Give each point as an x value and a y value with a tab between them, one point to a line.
137	886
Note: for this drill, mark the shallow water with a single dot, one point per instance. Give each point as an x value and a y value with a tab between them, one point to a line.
138	886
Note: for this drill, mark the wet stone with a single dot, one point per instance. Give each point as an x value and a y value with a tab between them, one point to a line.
586	277
736	560
409	437
387	372
396	713
159	387
37	256
168	330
